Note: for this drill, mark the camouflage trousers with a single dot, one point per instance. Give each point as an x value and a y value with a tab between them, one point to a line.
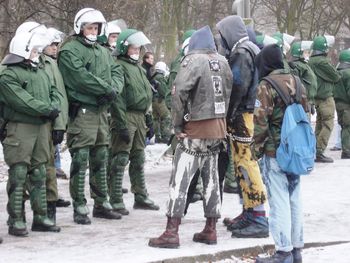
191	155
324	122
246	167
343	111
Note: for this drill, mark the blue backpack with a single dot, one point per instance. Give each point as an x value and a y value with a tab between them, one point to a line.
296	152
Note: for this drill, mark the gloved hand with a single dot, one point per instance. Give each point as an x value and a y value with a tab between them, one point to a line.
57	136
150	133
155	84
53	114
124	135
104	99
149	124
312	109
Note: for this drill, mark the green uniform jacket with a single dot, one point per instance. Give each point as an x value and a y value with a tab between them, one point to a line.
163	90
136	95
326	75
89	72
342	89
268	117
27	94
307	76
174	68
51	68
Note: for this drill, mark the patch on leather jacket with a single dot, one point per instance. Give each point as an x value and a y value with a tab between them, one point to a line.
214	65
216	80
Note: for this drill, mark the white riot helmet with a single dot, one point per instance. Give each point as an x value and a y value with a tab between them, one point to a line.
161	67
22	45
185	45
31	27
89	16
54	35
112	28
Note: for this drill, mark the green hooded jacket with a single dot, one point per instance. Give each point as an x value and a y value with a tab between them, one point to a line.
51	68
136	95
89	72
163	90
307	76
326	75
27	94
342	88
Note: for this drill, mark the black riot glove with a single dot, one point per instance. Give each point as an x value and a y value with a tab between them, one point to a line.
51	116
57	136
155	84
124	135
104	99
149	124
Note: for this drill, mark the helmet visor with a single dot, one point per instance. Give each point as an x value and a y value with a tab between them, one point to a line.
330	40
138	39
306	45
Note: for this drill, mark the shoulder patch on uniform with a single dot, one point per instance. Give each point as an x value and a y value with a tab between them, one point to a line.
214	65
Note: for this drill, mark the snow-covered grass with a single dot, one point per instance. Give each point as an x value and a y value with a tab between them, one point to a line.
326	201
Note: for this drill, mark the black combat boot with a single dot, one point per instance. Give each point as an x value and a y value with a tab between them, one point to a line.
345	155
62	203
100	211
321	158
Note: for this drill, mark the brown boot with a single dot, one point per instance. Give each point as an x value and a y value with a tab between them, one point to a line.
170	237
208	235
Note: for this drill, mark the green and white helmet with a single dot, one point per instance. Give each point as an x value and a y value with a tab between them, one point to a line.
130	37
299	47
265	40
344	59
321	44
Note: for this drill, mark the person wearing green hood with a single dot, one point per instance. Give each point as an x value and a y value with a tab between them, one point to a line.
342	101
92	82
299	67
327	77
131	123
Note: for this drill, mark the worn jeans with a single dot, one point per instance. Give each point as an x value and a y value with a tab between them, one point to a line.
286	218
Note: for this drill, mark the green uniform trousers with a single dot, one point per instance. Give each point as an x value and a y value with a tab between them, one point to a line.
51	179
324	122
123	153
161	120
26	151
87	139
343	111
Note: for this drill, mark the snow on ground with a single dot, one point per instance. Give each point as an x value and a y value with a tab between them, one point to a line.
326	199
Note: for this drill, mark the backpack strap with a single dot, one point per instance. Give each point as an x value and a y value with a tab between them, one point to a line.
285	97
298	89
